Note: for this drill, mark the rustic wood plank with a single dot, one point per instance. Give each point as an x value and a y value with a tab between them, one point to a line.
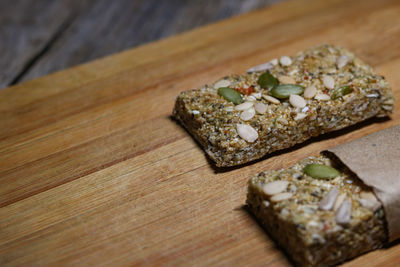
93	170
27	28
109	28
121	85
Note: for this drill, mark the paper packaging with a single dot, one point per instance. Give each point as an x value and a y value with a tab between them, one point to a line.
375	159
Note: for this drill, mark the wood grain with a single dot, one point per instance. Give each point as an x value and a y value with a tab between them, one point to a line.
94	171
44	36
28	29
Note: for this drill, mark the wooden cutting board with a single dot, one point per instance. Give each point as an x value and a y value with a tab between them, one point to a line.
93	170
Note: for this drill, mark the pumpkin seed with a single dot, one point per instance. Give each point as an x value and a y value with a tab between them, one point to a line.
321	171
341	91
230	95
267	80
285	90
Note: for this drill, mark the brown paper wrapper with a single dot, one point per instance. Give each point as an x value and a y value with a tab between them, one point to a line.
375	159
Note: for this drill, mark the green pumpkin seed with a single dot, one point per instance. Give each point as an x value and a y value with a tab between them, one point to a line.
230	95
285	90
341	91
320	171
267	80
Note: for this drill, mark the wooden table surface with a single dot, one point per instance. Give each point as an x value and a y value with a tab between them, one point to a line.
43	36
93	170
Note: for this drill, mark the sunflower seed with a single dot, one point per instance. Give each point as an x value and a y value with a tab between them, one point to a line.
285	61
256	95
372	95
329	199
310	92
339	201
328	81
261	108
281	196
387	107
248	114
251	98
222	83
261	67
300	116
389	101
297	101
305	109
247	132
274	61
229	108
244	106
343	214
271	99
275	187
322	97
342	61
282	121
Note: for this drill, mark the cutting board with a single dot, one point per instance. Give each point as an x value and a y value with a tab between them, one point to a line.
94	171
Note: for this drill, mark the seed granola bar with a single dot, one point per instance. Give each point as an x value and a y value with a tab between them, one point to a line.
273	106
319	222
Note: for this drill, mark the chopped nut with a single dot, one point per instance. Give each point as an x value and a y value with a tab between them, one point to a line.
329	199
286	80
300	116
222	83
369	201
261	108
244	106
275	187
389	101
343	214
310	92
247	132
389	108
305	109
248	114
274	61
297	101
282	121
285	61
271	99
229	108
256	95
281	196
328	81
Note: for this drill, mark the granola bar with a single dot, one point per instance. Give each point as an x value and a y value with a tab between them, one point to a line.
273	106
318	220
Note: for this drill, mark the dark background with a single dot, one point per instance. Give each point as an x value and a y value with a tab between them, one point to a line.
38	37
